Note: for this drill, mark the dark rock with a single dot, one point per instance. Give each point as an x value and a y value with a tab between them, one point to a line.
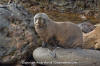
17	34
67	57
18	11
86	26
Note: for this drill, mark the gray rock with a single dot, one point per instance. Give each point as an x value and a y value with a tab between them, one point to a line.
4	12
67	57
86	26
17	35
4	23
18	11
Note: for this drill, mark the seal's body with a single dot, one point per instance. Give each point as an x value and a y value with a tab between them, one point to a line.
67	34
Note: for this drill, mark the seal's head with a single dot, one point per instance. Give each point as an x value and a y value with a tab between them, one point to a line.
41	20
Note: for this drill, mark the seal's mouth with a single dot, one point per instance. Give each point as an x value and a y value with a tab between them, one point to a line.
40	24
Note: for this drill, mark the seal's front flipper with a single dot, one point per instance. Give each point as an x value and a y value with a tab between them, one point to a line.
52	53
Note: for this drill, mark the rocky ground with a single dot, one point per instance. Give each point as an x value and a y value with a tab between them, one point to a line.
17	35
62	10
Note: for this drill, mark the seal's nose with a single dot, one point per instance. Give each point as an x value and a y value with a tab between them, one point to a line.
37	21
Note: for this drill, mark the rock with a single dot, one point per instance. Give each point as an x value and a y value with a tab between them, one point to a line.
18	11
86	26
4	15
5	12
92	39
17	35
70	57
4	23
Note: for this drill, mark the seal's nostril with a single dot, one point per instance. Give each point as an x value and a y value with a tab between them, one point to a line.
37	21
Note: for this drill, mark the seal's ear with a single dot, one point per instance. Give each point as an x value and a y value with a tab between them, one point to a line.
43	21
46	21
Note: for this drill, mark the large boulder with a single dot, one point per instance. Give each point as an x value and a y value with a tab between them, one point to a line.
86	26
17	35
92	39
67	57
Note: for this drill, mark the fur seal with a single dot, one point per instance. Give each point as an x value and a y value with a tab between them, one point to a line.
67	34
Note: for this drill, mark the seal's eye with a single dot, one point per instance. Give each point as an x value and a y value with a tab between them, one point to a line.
40	20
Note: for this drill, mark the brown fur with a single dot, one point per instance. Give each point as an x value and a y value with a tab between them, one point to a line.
68	34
